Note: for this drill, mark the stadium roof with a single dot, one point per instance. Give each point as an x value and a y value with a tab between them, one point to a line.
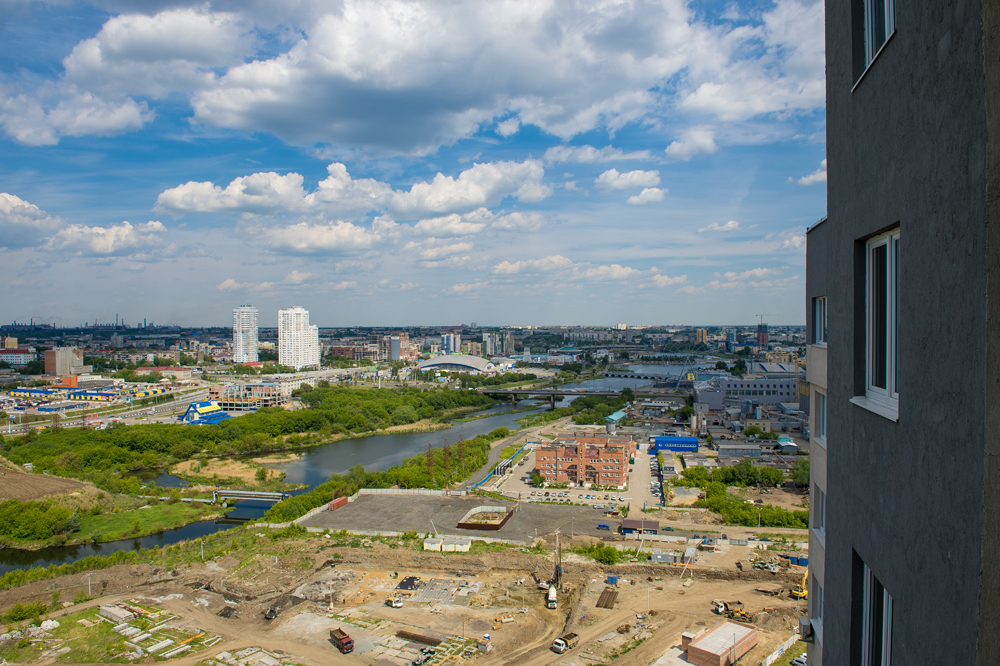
459	363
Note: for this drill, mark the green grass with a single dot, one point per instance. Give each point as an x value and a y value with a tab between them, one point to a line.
786	659
157	518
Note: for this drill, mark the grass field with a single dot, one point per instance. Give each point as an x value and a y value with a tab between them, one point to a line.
152	520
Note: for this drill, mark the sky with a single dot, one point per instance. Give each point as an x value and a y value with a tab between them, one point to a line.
410	162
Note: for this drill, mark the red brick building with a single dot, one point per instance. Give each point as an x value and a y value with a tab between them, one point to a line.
585	461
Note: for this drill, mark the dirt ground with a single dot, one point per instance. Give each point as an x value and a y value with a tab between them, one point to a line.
15	484
786	498
447	597
228	467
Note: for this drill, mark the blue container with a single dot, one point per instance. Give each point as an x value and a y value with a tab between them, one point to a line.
793	560
803	561
612	580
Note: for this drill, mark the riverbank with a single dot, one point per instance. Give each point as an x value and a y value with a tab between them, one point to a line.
135	523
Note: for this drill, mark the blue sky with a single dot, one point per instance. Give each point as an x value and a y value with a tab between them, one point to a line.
410	162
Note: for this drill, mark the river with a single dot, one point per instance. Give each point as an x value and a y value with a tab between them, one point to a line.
375	452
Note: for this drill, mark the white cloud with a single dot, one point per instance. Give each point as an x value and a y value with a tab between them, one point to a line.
666	281
527	222
258	193
451	225
323	238
439	252
27	122
270	192
591	155
731	225
694	142
23	224
648	195
612	180
611	272
755	273
482	185
509	127
468	287
545	264
793	243
817	176
123	239
296	277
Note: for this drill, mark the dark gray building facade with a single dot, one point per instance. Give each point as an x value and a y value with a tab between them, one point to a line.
904	308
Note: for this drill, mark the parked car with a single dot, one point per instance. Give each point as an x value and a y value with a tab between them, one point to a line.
603	526
800	660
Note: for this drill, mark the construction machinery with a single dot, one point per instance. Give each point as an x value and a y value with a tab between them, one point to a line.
801	591
731	609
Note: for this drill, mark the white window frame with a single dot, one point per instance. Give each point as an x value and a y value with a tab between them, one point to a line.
819	320
872	590
885	397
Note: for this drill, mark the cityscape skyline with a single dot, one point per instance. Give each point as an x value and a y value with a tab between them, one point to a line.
387	185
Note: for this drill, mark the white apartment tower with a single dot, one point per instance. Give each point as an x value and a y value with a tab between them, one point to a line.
298	342
245	334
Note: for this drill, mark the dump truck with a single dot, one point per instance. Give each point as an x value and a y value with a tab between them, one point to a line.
724	607
342	640
563	643
550	599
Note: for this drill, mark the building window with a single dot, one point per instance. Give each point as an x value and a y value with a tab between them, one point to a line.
817	608
882	307
819	320
820	429
818	510
876	621
873	22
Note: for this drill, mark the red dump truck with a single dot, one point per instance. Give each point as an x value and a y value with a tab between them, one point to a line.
342	640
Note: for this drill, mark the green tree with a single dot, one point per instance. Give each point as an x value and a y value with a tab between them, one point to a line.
721	365
753	430
34	368
261	474
800	472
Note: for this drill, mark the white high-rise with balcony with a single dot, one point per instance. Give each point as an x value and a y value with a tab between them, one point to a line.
298	342
245	334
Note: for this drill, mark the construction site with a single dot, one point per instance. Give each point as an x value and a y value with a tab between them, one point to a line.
278	598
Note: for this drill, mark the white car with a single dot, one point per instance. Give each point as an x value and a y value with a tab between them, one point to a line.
800	660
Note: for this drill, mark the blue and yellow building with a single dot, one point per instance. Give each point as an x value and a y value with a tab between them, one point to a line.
208	412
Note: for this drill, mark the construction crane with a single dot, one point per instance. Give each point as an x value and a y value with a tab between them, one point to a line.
772	314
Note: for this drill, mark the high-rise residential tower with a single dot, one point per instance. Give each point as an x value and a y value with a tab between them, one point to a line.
245	334
903	360
298	342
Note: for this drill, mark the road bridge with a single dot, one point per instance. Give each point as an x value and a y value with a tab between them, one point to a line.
248	494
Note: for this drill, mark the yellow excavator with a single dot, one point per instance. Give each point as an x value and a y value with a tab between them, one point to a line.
801	591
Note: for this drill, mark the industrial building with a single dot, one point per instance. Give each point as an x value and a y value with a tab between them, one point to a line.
902	284
245	334
683	444
638	526
298	342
